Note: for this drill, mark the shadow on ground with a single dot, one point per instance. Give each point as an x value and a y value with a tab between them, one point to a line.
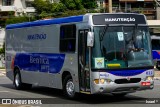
82	98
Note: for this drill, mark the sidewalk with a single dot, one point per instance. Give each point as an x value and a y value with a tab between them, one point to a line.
2	72
157	75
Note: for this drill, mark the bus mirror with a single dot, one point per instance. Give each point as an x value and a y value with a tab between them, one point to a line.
90	39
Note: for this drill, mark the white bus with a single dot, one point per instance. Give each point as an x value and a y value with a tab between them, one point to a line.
91	54
156	50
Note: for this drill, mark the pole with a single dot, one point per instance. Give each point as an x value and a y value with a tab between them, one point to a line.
110	6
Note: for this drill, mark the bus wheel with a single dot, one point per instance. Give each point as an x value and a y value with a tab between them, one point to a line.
18	82
69	87
119	94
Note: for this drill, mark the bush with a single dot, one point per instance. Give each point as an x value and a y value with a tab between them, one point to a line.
19	19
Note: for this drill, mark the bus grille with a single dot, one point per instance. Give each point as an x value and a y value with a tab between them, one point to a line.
125	81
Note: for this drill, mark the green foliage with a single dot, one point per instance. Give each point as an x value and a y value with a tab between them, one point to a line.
46	9
41	6
72	13
19	19
11	13
72	4
58	7
2	50
89	4
2	23
63	8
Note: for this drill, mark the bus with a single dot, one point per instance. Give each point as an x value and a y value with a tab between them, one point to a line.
156	50
92	54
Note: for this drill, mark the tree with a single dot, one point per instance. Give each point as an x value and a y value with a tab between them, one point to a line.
89	4
58	7
19	19
73	4
46	9
2	50
42	6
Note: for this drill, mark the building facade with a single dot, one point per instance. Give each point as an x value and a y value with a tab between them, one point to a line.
15	7
150	8
147	7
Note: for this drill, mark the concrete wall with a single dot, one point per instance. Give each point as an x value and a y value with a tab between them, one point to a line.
0	2
2	36
158	13
18	4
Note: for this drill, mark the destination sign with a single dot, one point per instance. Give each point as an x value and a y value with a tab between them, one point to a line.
104	19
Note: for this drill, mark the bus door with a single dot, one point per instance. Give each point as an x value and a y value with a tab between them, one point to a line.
84	74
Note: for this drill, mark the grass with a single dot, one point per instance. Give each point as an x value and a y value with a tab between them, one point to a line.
2	67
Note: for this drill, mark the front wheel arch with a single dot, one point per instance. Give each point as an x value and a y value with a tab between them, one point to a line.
69	87
19	85
17	79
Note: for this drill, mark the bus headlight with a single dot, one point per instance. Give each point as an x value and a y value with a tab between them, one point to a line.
149	78
102	81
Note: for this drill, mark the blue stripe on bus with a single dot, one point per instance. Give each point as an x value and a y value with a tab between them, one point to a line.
155	55
41	62
46	22
125	72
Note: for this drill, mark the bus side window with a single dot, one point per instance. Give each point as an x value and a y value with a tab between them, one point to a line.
68	38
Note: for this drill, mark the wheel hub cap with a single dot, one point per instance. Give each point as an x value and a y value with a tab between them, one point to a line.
70	88
17	80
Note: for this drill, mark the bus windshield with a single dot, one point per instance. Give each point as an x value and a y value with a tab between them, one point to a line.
121	47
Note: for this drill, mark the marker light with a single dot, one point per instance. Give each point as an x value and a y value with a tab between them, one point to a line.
108	81
102	81
96	81
145	83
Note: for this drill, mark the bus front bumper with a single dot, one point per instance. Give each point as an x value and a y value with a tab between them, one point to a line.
121	88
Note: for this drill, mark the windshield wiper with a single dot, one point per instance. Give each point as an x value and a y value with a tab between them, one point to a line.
101	35
135	32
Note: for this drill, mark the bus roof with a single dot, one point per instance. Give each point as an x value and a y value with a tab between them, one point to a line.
98	19
46	22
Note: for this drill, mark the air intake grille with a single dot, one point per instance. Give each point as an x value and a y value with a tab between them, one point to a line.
126	81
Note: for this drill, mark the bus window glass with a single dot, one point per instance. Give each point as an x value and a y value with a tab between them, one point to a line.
155	44
121	47
67	38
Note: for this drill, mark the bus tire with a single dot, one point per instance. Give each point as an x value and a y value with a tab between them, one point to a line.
18	82
69	87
